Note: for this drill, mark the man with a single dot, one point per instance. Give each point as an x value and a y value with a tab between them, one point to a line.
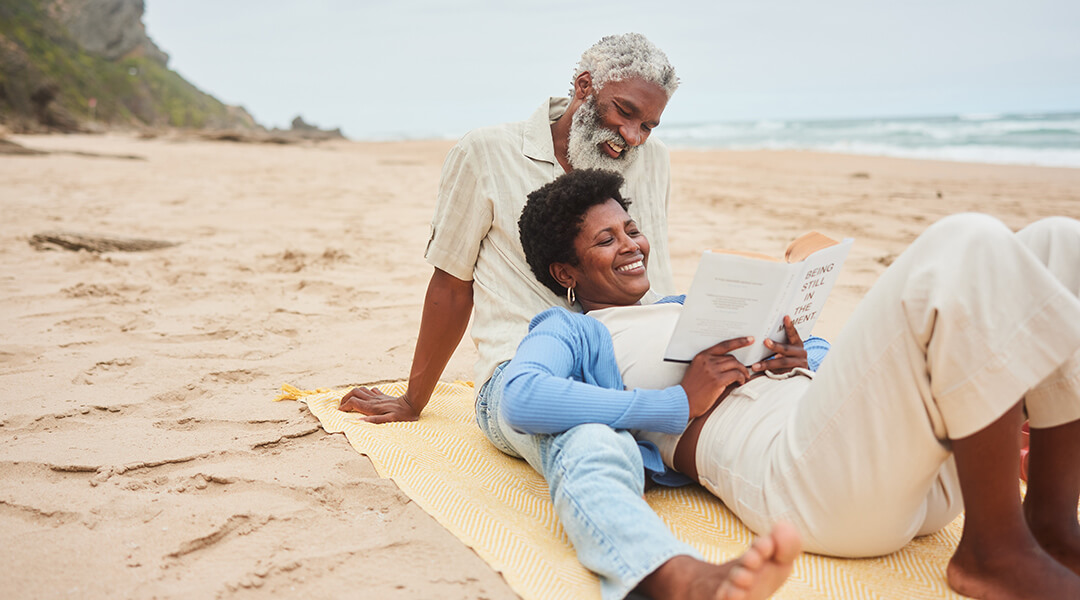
474	244
620	89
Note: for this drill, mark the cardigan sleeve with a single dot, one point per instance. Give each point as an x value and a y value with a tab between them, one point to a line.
564	374
816	350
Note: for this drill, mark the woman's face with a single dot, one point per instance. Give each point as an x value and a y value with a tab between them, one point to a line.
612	257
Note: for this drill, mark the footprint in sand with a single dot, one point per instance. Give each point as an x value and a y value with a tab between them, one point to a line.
234	376
109	369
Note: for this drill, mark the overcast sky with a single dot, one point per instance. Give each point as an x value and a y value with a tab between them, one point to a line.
414	68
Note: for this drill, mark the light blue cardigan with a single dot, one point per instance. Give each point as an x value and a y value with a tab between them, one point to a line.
564	374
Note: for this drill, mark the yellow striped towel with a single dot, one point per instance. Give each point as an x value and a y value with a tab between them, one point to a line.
500	507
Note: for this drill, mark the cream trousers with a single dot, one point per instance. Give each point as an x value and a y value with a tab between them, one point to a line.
968	321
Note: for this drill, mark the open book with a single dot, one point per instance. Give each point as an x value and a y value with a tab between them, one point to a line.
736	294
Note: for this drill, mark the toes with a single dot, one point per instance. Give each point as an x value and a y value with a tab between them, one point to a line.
743	577
765	546
764	567
729	591
787	542
753	558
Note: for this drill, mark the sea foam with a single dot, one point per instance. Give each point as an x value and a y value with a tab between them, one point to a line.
1045	139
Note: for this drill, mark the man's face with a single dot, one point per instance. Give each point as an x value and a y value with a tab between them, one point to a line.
608	128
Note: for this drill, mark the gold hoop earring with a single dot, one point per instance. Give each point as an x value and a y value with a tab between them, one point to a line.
570	296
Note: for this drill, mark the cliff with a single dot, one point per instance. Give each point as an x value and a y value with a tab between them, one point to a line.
112	29
72	65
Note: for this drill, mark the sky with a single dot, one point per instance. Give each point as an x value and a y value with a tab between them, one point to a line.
383	69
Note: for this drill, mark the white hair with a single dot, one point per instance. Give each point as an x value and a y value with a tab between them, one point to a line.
587	132
620	57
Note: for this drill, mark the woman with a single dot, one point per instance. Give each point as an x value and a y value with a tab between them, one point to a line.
913	417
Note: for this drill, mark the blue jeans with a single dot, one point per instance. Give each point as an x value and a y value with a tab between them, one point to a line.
597	481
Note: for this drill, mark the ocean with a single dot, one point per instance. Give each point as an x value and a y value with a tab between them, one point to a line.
1046	139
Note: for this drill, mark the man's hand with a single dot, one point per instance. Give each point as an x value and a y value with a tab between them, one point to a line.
710	374
788	356
447	306
377	406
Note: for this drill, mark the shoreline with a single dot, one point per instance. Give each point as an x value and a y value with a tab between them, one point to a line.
273	138
916	155
139	440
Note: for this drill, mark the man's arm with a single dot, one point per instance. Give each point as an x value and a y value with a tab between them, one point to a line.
447	306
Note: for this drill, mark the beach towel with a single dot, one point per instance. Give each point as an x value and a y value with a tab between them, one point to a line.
499	506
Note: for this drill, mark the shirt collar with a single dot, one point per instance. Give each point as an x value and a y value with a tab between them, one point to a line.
538	144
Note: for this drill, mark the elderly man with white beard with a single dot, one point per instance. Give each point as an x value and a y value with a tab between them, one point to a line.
619	91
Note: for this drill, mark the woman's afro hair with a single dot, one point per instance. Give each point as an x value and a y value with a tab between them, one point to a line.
553	214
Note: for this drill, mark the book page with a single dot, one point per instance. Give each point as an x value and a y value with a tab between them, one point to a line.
819	273
747	254
807	244
731	296
734	296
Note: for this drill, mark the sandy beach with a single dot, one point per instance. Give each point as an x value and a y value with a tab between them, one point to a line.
140	452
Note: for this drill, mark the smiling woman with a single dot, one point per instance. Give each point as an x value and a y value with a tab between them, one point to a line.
590	244
612	254
777	442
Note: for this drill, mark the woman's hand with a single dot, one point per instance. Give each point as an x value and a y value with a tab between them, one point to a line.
788	356
711	372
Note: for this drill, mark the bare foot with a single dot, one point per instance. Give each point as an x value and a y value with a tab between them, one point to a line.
1060	541
755	575
1010	572
1052	492
765	566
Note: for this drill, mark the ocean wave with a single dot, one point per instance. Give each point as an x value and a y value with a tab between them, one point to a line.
1038	139
980	117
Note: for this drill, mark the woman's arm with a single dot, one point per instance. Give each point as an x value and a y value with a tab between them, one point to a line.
545	389
564	374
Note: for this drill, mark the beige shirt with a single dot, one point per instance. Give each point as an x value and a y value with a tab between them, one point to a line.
474	236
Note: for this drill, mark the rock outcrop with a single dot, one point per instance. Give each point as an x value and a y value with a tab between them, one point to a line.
306	131
112	29
78	65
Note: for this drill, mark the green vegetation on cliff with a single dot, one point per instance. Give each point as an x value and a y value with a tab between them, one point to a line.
47	81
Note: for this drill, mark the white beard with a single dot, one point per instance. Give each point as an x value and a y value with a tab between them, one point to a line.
586	135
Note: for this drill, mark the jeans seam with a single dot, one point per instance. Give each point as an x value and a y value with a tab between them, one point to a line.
602	539
491	430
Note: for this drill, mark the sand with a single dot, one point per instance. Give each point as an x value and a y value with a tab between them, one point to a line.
140	454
